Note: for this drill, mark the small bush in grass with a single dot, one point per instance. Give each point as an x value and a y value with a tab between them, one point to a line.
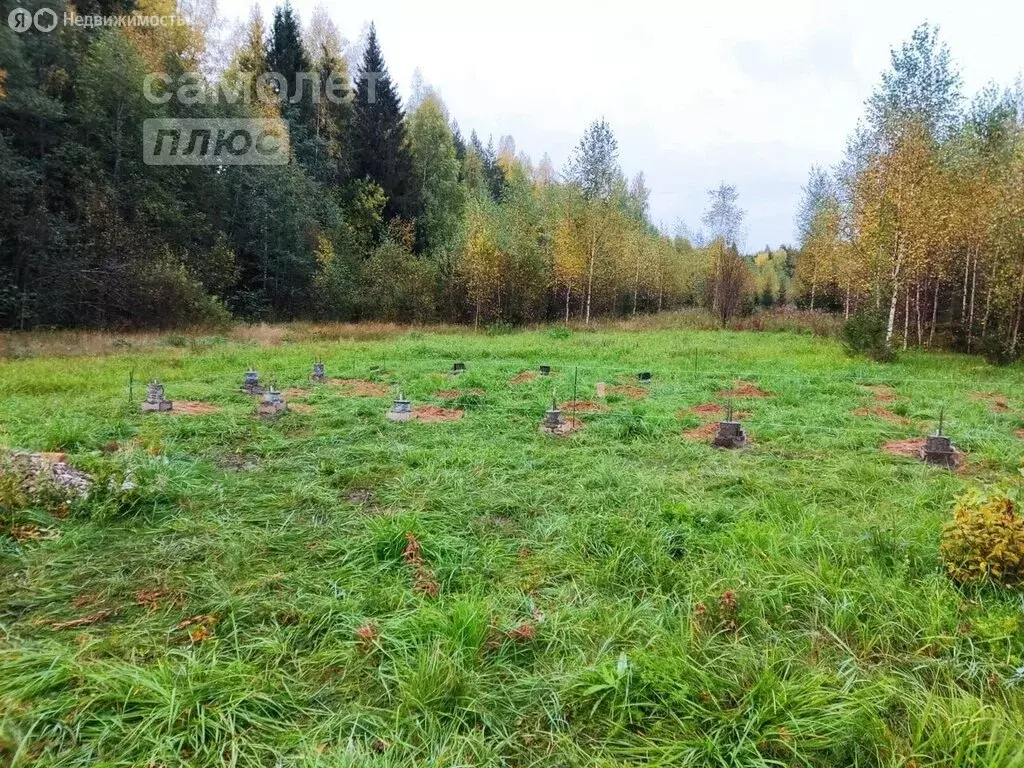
864	334
985	540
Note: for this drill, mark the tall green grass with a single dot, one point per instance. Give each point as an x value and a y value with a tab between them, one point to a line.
623	596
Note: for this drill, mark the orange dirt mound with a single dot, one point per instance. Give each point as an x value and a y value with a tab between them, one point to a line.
524	377
705	409
883	393
451	394
629	391
744	389
911	449
703	433
881	413
431	413
193	408
582	406
361	387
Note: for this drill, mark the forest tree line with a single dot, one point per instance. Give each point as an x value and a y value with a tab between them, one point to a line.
387	209
921	226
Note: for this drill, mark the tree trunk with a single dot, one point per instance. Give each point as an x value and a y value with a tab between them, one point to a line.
897	263
963	298
636	285
935	313
568	293
988	304
970	315
590	277
917	311
906	318
1020	311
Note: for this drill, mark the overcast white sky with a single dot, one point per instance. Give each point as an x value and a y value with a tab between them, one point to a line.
750	93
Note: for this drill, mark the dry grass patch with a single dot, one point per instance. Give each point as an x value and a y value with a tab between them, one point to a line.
361	387
192	408
524	377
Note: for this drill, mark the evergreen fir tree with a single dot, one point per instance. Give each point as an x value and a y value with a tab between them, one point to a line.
380	149
286	55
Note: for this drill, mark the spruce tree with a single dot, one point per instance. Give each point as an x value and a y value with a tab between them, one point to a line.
286	55
380	149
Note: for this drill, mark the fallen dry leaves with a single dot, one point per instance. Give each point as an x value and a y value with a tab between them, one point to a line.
199	627
423	579
84	621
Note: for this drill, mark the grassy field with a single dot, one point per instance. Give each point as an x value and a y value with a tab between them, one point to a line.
333	589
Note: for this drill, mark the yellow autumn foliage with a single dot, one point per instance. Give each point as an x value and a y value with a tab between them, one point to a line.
985	541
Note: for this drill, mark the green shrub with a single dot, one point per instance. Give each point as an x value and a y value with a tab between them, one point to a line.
864	334
985	541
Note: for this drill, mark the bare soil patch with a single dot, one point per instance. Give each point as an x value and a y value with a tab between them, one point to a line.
524	377
629	391
361	496
431	413
239	462
360	387
583	406
744	389
704	433
879	412
911	449
193	408
295	393
301	407
1020	433
882	393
